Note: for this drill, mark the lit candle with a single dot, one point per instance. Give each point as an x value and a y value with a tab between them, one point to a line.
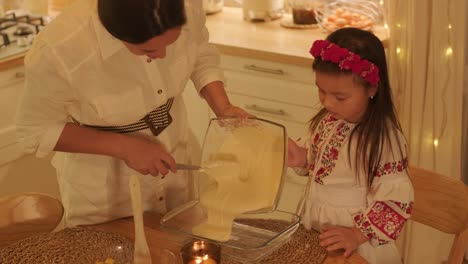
203	260
201	252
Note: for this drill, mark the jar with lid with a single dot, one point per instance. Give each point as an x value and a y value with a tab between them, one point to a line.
303	11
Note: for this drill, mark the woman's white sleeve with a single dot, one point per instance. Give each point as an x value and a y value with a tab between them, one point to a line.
42	112
207	64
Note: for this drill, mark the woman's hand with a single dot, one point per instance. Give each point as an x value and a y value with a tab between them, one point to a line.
339	237
146	157
140	154
217	99
234	111
297	156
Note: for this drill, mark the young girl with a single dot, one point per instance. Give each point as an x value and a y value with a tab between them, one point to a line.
358	195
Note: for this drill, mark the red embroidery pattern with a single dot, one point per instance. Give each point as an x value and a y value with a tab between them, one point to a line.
405	207
366	228
391	167
323	128
385	219
330	153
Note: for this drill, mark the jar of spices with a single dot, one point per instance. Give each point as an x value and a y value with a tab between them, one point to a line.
303	11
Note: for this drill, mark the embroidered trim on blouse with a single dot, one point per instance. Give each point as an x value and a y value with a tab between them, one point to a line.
391	167
386	219
366	228
331	151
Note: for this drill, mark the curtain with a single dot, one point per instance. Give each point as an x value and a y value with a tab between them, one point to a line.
465	114
426	64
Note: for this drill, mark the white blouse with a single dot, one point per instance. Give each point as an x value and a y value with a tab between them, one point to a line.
76	69
335	195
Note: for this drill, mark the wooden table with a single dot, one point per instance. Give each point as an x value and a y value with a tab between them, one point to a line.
172	241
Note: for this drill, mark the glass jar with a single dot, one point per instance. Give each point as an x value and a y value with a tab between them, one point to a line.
303	11
212	6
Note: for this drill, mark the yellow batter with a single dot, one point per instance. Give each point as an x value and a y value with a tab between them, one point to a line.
246	174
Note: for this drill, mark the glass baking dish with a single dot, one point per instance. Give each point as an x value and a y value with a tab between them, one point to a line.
259	147
217	133
253	236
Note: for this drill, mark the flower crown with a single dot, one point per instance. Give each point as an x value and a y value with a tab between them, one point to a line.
346	60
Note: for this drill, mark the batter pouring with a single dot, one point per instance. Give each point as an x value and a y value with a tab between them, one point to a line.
246	174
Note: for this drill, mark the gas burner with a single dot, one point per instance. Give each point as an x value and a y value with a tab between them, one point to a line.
32	20
19	29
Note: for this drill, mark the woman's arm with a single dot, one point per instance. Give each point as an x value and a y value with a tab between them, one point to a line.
140	154
217	99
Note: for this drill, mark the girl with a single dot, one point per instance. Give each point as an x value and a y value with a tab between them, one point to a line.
359	194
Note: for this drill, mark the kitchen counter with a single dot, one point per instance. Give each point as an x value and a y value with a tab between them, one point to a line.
12	61
265	40
259	40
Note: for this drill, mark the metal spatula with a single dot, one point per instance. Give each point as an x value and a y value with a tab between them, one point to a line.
228	165
187	167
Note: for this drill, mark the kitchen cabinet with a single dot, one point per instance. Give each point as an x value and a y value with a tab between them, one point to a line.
11	87
279	92
19	172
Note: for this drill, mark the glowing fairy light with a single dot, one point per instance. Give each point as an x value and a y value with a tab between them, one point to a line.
398	50
386	26
449	52
398	25
381	2
450	26
436	142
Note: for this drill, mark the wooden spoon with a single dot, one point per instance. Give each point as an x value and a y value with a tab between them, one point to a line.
141	254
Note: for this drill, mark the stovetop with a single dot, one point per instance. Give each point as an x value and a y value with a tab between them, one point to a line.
17	31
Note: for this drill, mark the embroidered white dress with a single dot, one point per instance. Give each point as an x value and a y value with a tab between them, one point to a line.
335	196
76	69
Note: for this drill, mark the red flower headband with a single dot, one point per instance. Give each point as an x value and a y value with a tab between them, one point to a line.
346	60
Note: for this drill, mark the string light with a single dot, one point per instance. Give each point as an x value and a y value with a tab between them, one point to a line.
398	50
450	26
449	52
436	142
386	26
381	2
398	25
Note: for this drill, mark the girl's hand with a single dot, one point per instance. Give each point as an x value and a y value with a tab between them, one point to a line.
146	157
297	156
339	237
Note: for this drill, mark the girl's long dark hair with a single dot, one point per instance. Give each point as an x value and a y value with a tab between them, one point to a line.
136	21
380	120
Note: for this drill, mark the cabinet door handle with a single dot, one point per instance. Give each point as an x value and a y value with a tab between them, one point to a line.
254	67
19	75
265	109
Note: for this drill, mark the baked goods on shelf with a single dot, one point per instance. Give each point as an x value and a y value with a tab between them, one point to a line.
363	14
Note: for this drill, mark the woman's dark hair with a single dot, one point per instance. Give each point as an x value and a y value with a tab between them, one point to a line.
379	121
136	21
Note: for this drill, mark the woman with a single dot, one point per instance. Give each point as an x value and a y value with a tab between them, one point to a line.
103	88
